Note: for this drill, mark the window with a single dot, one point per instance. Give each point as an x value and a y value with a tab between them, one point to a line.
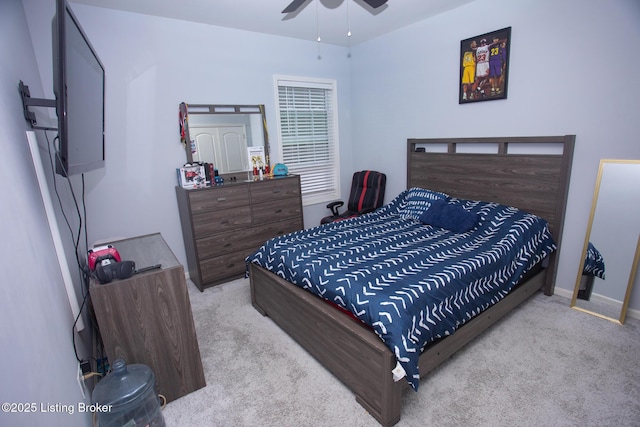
307	119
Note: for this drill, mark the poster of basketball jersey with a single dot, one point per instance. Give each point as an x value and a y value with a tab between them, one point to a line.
484	66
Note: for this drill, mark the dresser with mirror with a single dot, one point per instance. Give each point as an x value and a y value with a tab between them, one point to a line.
222	224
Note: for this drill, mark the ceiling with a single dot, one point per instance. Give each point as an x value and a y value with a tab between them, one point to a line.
330	19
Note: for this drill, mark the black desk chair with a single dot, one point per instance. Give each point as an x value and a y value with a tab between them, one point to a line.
367	194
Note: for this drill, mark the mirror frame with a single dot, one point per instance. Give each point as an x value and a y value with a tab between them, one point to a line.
636	257
201	109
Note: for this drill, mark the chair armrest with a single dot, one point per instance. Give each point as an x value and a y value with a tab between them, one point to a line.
333	206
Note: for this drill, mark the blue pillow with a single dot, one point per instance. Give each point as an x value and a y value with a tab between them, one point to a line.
451	217
417	201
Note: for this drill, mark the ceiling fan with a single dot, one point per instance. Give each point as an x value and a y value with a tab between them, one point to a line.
295	4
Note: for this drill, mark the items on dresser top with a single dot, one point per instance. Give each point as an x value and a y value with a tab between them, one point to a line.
198	175
222	225
106	264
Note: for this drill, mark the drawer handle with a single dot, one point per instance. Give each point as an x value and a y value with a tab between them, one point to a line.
227	245
224	222
279	210
222	199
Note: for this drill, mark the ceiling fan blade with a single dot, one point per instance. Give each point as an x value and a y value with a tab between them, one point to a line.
293	6
375	3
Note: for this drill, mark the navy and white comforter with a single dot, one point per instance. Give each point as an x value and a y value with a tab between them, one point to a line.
593	262
411	282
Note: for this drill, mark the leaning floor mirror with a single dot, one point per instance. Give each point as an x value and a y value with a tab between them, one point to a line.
608	266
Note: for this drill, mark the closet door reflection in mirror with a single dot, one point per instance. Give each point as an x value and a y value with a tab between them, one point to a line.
608	265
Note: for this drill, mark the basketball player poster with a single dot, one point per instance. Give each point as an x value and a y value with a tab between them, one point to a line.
484	66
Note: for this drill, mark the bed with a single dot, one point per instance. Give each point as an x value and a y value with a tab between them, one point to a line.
510	176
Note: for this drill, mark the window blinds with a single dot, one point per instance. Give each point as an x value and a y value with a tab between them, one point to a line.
307	130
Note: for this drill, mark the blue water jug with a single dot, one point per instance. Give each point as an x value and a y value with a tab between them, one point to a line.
129	395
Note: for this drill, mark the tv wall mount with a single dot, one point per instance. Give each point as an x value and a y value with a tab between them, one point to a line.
28	101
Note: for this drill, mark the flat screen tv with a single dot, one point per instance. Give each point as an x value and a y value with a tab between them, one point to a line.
78	85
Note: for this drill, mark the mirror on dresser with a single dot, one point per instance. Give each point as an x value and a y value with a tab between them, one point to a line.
612	243
221	134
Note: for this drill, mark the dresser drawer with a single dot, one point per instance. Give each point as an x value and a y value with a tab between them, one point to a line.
227	265
275	210
217	198
246	238
277	188
207	223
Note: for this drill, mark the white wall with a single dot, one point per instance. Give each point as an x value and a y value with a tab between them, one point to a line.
37	362
572	71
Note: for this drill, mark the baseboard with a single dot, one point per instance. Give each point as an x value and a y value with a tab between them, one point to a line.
569	294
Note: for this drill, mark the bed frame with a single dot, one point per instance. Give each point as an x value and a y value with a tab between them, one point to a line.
511	175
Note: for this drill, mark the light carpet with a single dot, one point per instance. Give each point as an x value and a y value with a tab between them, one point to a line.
544	364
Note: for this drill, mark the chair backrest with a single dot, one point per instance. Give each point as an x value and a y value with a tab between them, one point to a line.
367	190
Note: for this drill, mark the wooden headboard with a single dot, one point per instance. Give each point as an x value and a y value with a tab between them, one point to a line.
503	170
